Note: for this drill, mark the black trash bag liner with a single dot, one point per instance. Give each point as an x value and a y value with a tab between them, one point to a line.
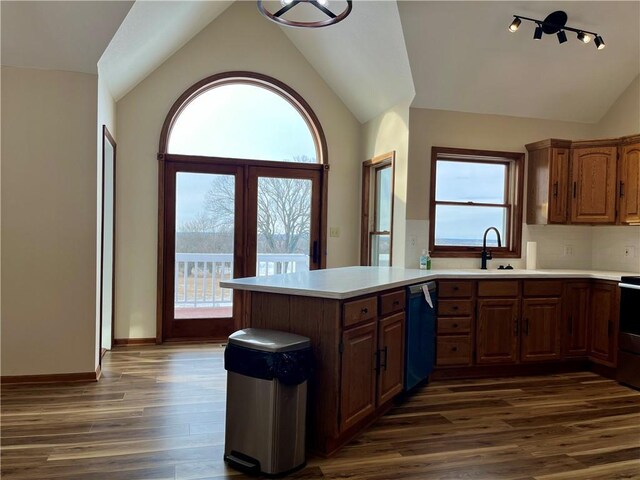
290	368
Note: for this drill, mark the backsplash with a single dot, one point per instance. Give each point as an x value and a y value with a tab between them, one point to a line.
558	246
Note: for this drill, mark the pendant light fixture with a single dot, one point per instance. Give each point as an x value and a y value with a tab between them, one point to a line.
556	23
282	16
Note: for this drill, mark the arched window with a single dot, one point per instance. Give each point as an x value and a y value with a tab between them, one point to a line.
242	193
248	116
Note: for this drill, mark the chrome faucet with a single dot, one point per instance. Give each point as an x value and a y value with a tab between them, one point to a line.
487	255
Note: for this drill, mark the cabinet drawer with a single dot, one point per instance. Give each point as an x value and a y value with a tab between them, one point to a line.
359	311
453	350
455	307
455	289
542	288
453	325
498	288
392	302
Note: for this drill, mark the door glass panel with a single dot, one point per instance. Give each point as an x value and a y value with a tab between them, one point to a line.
383	199
205	213
284	225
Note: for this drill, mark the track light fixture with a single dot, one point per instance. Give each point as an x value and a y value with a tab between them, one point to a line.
537	34
321	5
562	37
556	23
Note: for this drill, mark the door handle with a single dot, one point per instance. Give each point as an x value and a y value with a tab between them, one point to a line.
315	252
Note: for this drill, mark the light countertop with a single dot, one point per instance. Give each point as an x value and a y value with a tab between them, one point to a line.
347	282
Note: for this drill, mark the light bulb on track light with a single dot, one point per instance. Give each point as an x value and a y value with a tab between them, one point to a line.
515	24
599	42
583	37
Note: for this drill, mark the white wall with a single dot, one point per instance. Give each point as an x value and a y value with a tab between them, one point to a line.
106	116
623	118
385	133
440	128
48	221
240	39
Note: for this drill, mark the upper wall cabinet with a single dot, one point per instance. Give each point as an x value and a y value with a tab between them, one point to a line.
593	184
585	182
548	172
629	185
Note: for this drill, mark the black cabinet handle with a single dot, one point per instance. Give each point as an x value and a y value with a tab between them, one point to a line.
515	326
526	327
454	349
455	289
555	189
385	352
621	189
455	307
396	303
455	325
575	186
364	311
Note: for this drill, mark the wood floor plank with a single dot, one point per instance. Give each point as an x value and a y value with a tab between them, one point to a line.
159	413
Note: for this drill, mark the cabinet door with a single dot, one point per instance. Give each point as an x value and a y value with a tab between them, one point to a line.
391	341
497	335
604	322
558	185
593	172
540	329
358	385
576	316
629	188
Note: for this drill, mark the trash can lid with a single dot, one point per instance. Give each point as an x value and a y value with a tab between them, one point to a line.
268	340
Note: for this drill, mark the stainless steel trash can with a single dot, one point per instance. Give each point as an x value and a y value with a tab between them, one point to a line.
267	373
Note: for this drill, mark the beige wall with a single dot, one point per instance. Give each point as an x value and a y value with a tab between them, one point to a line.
440	128
240	39
106	116
623	118
48	221
385	133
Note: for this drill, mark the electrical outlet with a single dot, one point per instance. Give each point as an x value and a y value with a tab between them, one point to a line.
334	232
412	240
629	251
568	250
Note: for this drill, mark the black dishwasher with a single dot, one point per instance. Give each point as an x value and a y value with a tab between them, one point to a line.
420	333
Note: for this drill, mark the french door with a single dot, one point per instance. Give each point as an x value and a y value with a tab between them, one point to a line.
226	219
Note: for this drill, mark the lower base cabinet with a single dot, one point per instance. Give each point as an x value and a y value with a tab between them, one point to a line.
576	317
390	357
605	315
498	331
358	398
541	329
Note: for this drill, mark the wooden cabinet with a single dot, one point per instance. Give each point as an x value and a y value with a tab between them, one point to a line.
390	357
454	327
541	329
497	332
605	314
576	318
590	181
629	184
358	389
548	173
593	176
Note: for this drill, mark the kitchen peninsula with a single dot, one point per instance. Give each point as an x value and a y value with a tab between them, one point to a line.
489	323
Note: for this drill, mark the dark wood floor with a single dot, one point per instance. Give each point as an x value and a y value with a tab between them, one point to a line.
158	413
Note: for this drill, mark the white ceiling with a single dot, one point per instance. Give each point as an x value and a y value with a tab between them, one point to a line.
458	54
59	35
363	58
463	58
151	33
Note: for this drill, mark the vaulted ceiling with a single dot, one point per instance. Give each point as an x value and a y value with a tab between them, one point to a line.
450	55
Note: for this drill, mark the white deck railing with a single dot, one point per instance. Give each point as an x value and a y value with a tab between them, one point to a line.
198	275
